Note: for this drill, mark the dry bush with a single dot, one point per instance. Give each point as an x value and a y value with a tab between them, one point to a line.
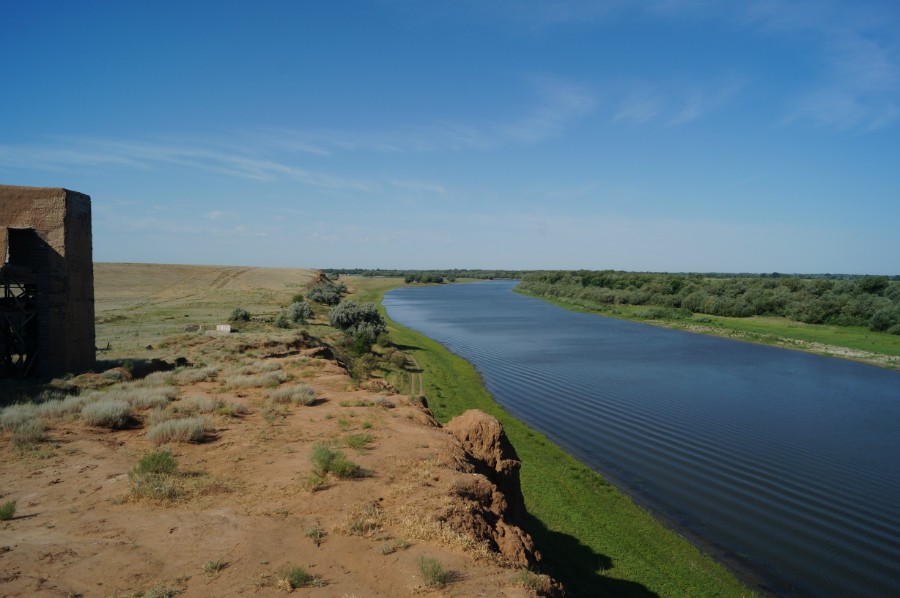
364	521
164	378
299	394
195	405
13	416
29	431
189	429
157	477
195	375
107	413
273	378
257	367
68	407
142	397
432	572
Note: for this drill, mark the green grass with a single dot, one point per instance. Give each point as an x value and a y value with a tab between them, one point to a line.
594	538
7	510
433	573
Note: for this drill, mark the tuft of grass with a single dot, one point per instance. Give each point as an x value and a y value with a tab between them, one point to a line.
162	378
538	584
299	394
432	572
107	413
195	405
213	567
156	477
195	375
325	461
28	432
315	533
271	379
358	442
315	482
297	577
364	521
15	415
189	429
232	409
156	462
7	510
391	546
68	407
142	397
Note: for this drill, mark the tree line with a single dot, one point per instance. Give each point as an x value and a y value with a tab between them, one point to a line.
845	300
428	276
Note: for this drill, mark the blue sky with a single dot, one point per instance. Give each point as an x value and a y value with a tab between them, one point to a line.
662	135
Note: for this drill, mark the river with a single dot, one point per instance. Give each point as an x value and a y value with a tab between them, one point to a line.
782	463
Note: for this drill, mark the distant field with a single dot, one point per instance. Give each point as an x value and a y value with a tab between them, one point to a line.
137	304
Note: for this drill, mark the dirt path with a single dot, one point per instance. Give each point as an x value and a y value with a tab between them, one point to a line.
416	384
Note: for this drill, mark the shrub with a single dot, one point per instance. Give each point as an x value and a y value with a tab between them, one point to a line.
328	293
358	320
7	510
29	432
194	375
189	429
156	462
156	476
300	394
433	573
358	442
239	314
258	380
194	405
67	407
315	533
391	546
143	397
212	567
15	415
281	320
297	577
299	312
107	413
163	378
325	461
232	409
153	476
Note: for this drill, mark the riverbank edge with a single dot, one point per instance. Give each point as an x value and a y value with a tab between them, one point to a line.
882	360
594	538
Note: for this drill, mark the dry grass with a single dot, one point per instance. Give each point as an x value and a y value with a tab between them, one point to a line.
267	379
189	429
299	394
107	413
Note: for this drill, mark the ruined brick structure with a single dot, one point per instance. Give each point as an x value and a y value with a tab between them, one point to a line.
46	282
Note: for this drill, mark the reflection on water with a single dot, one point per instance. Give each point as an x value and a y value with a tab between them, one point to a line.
784	461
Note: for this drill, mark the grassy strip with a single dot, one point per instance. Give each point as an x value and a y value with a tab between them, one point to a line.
594	539
761	329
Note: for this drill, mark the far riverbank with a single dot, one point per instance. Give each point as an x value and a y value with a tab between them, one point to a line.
844	342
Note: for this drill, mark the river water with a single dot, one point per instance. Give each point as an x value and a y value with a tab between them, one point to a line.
783	463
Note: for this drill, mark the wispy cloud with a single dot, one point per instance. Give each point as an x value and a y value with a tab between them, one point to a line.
556	104
860	50
72	153
673	103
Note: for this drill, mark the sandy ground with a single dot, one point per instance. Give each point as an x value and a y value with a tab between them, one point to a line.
79	531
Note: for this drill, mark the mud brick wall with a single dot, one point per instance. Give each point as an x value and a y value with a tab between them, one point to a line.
64	275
